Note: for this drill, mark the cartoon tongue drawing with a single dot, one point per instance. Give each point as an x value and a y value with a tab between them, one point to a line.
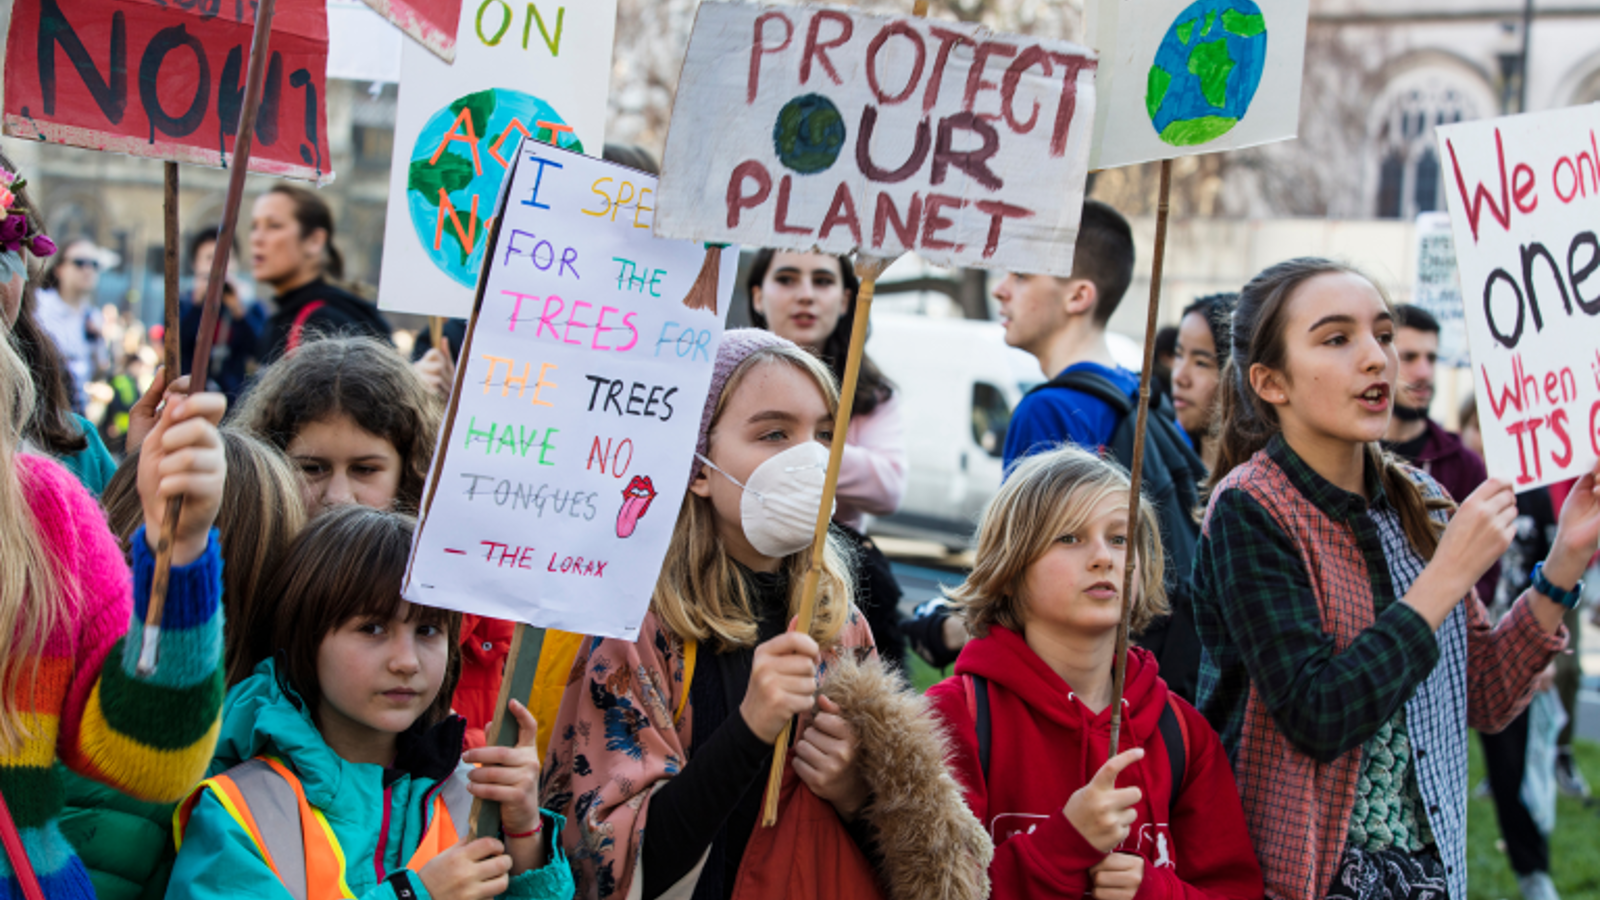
636	499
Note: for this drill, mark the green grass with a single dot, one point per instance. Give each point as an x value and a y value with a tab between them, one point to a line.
1574	847
924	676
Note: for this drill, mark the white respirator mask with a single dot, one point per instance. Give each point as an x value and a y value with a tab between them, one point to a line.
781	498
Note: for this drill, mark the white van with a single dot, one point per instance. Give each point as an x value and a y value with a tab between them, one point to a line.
958	382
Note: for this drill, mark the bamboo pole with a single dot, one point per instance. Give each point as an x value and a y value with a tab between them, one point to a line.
867	270
243	140
1136	471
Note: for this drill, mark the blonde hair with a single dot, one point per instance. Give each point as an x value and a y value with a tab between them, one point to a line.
33	599
1046	496
699	595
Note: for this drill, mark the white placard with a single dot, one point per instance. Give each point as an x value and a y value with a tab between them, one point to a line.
813	126
1524	197
563	464
1437	288
1183	77
517	65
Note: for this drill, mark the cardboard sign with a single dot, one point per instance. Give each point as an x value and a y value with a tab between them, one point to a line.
1183	77
1437	288
1524	196
561	468
166	80
430	23
810	126
535	67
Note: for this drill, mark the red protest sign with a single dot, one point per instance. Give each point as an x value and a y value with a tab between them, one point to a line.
431	23
166	80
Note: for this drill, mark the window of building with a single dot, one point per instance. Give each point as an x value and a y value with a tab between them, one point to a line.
1409	173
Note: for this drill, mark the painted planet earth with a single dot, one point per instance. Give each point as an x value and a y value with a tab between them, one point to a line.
809	134
462	152
1206	71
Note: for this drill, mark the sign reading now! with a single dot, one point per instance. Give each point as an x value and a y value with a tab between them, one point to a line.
809	126
1524	197
566	455
166	80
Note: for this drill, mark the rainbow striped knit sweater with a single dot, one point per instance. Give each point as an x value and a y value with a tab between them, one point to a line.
151	738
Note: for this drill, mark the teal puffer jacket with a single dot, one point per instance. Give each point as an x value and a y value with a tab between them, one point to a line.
377	826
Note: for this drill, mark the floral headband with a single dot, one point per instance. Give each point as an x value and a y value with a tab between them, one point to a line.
14	229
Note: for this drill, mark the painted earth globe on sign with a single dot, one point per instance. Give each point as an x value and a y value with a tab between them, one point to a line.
456	168
809	134
1206	71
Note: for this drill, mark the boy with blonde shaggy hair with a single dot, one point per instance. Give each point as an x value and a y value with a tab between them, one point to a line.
1029	708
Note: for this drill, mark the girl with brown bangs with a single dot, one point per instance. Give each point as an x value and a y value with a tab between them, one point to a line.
663	745
349	723
359	424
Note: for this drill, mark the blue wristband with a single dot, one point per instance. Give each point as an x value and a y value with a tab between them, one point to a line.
1569	599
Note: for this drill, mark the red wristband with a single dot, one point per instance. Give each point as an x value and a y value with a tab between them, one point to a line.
525	834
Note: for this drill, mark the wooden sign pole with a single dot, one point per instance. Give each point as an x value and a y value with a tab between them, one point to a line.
171	330
867	270
521	667
242	142
1136	471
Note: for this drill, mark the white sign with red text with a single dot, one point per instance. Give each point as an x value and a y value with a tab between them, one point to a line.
819	127
1524	197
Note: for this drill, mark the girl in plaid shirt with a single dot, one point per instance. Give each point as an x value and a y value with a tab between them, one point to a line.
1346	654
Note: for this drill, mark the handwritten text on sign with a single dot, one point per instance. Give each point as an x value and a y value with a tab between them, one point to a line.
558	480
151	78
806	126
1524	196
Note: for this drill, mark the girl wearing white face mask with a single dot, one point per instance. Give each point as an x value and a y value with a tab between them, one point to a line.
662	747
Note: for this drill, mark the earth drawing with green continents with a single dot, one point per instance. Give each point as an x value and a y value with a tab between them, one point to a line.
1206	71
463	152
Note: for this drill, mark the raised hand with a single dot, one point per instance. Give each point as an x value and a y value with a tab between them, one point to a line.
183	455
1102	812
783	683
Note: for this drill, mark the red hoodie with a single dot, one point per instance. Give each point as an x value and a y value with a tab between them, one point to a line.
1045	744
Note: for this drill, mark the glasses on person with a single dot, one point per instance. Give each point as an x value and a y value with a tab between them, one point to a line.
92	265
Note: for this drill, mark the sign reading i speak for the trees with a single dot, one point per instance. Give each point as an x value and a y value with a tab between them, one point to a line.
1524	197
811	126
566	455
165	80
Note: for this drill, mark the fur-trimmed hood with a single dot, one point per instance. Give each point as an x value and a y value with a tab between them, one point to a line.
932	846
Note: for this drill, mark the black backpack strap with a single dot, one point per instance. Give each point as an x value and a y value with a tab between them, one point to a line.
1096	386
1172	734
978	707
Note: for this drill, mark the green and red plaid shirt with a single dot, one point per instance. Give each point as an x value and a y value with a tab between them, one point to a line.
1308	654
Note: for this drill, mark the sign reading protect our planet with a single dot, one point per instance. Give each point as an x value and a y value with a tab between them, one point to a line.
1524	199
1181	77
538	69
814	126
566	456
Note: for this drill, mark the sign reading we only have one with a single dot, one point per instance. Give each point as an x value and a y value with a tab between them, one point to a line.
166	80
560	470
811	126
1524	197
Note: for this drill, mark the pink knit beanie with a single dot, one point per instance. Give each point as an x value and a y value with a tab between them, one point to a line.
736	346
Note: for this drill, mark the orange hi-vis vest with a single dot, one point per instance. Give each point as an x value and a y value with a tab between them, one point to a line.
294	838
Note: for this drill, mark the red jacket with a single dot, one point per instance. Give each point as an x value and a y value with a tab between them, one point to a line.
485	644
1045	744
